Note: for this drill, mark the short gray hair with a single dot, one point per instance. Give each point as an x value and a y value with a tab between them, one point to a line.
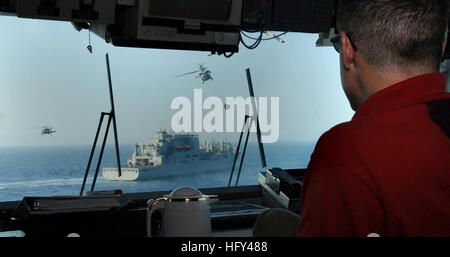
396	33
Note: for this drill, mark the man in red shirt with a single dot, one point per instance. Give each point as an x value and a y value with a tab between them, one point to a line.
387	171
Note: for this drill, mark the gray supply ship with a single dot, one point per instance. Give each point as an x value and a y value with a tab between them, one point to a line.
173	154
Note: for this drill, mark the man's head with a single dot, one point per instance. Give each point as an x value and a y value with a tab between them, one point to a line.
386	40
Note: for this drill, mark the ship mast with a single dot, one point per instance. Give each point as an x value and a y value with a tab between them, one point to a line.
111	117
253	118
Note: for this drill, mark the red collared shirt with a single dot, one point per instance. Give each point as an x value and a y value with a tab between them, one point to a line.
387	171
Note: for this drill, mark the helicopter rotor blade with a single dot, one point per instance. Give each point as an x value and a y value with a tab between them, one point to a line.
40	127
186	74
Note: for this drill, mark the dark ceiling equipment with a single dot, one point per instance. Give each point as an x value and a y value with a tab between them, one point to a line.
309	16
203	25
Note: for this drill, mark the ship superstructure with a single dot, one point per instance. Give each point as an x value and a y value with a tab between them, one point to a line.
171	154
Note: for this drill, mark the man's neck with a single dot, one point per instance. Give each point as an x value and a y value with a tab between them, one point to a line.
375	80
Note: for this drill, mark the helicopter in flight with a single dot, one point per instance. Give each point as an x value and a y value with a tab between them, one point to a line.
204	74
47	130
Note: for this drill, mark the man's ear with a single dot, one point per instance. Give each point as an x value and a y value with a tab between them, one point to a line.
444	44
443	49
348	52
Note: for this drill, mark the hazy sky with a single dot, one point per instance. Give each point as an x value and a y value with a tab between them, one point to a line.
47	77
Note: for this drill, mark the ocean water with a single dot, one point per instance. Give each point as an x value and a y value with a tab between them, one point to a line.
59	170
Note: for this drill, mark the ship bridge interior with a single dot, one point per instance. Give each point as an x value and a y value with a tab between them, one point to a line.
210	27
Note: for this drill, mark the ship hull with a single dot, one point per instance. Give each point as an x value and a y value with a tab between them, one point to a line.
167	170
